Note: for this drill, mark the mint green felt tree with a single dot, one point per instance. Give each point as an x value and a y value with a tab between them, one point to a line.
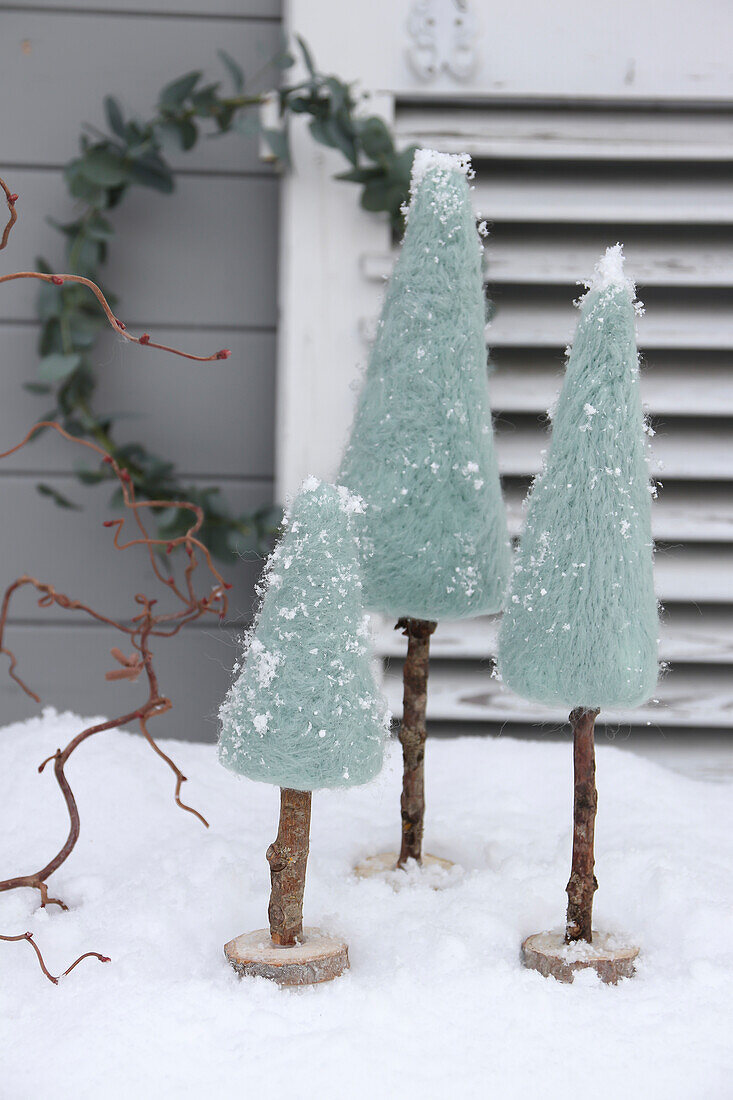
581	625
421	453
304	712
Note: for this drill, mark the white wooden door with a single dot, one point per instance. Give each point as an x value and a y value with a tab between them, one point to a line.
586	126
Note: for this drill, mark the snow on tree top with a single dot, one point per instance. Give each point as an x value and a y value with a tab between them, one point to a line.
425	159
609	272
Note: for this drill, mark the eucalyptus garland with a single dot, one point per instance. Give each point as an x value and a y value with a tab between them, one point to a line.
132	153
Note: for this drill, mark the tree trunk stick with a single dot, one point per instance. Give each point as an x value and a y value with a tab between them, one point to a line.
288	857
413	734
582	884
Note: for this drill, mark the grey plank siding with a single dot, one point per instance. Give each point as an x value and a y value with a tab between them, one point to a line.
197	269
203	256
59	65
66	668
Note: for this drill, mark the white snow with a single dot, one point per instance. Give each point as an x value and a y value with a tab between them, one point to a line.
436	1003
427	159
609	271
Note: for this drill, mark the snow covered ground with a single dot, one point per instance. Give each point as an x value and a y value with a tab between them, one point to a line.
436	1003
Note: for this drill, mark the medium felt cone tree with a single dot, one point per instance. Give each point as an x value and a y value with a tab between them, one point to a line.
433	538
580	627
304	712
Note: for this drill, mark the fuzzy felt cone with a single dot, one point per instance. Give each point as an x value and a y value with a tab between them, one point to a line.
433	538
581	623
304	712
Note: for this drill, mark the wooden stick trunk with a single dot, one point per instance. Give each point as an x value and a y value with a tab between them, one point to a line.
288	858
413	734
582	884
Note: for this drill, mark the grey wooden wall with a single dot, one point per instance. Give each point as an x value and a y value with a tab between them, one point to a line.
196	268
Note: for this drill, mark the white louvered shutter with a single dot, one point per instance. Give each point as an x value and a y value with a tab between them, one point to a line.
557	185
586	126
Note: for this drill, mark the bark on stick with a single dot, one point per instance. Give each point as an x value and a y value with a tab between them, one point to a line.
413	734
288	857
582	884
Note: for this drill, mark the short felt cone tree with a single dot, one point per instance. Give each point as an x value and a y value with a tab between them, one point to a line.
421	453
304	712
581	623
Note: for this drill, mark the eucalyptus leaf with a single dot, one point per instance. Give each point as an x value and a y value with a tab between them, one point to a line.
57	497
104	166
153	172
279	144
233	69
177	92
57	367
115	119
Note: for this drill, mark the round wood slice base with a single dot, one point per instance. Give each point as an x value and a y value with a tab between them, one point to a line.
607	955
433	868
317	958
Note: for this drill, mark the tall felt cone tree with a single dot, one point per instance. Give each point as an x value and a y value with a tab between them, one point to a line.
581	622
304	712
433	537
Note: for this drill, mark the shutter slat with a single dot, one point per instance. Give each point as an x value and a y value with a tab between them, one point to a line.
680	513
686	636
535	134
687	698
684	453
548	259
675	391
591	196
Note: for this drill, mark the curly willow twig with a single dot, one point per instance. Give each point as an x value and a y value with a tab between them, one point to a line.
28	936
146	624
11	200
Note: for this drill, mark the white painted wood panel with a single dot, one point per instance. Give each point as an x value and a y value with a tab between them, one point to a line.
526	133
541	52
576	195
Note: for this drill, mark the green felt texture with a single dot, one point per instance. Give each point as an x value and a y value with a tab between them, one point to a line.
581	621
304	711
421	453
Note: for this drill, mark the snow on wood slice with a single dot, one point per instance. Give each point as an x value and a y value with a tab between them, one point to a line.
433	871
317	958
609	956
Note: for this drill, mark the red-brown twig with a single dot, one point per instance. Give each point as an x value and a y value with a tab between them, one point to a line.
28	937
59	280
115	323
146	624
11	200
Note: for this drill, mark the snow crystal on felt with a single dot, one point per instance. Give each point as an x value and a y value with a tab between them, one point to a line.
436	1003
